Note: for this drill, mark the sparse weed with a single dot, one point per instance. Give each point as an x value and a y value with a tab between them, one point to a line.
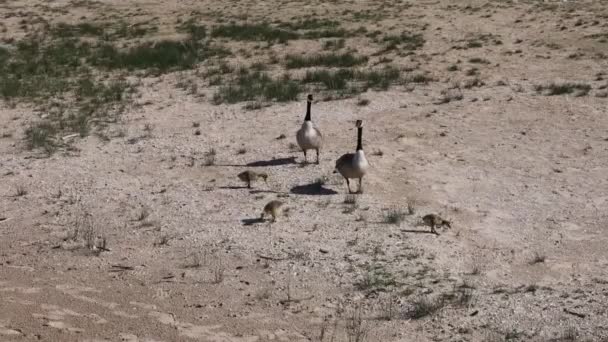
343	60
356	328
551	89
537	258
362	102
394	216
424	306
20	191
210	157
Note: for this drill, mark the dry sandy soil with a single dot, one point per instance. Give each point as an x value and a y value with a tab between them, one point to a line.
523	177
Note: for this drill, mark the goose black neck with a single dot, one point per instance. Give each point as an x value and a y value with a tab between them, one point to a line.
359	138
307	118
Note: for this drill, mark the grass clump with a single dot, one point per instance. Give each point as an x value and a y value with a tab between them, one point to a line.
359	81
250	86
310	24
254	32
164	56
394	216
343	60
552	89
405	41
41	135
375	278
423	307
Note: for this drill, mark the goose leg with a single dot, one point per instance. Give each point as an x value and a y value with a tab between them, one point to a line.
305	158
248	184
348	185
317	156
360	185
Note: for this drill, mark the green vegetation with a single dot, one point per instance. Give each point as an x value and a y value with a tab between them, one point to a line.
405	41
250	86
343	60
551	89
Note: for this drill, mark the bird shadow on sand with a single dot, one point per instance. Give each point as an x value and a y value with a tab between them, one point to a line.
232	187
265	163
418	231
315	189
252	221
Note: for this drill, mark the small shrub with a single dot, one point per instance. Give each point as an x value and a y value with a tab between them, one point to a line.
362	102
40	135
20	191
424	306
551	89
537	258
394	216
405	41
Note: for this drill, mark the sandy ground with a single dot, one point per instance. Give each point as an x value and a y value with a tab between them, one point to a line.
521	176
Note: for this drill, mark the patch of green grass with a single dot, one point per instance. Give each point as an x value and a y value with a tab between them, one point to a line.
551	89
334	44
334	32
164	56
195	31
251	86
65	30
310	24
254	32
375	278
343	60
404	41
362	80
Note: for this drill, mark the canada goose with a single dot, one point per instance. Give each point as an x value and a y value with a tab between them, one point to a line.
250	176
434	220
354	165
309	137
273	208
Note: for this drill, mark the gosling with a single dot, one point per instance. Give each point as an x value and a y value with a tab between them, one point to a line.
354	165
250	177
308	136
274	209
434	220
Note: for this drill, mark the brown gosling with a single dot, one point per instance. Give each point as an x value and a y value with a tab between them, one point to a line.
274	209
250	177
354	165
434	220
308	136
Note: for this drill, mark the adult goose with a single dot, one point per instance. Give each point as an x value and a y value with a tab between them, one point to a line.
309	137
354	165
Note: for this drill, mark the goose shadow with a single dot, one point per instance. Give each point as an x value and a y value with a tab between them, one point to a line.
251	190
272	162
265	163
418	231
312	189
252	221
